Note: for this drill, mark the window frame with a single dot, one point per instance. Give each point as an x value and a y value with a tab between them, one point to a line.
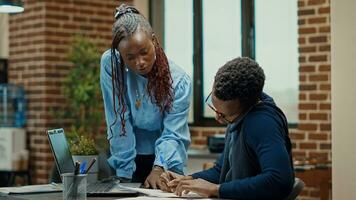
4	71
247	37
247	49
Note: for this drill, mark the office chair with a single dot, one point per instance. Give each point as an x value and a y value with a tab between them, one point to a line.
297	188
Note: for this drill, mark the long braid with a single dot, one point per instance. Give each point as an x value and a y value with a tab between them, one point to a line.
161	89
159	86
118	87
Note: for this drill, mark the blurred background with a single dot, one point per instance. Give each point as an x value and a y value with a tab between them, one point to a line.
298	43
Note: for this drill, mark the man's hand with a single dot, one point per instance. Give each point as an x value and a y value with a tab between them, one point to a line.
171	180
199	186
153	180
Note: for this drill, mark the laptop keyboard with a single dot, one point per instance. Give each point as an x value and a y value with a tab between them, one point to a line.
100	187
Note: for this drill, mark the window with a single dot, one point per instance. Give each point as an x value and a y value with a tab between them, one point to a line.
277	52
178	40
202	35
221	40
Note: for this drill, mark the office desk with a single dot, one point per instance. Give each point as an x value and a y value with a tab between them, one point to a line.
58	196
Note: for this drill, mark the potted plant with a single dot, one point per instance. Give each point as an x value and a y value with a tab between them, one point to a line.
84	150
83	97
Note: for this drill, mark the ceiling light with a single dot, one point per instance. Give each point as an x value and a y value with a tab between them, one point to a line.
11	6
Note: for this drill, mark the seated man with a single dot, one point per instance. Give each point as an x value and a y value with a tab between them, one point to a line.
256	162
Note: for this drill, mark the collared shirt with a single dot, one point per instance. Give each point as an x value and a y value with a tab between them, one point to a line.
148	131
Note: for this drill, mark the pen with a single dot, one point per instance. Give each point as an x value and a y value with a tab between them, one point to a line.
82	167
76	169
73	188
90	165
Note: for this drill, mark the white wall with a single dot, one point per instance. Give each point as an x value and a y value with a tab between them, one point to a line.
4	36
343	86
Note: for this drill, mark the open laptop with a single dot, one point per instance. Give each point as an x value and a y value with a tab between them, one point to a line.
65	164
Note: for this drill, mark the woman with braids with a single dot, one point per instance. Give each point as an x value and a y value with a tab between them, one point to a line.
146	100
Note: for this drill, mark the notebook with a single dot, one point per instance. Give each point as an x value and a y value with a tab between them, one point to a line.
65	164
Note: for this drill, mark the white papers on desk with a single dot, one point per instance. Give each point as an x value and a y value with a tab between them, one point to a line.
163	195
31	189
161	198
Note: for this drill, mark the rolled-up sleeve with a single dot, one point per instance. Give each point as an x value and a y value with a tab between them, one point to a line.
122	148
172	145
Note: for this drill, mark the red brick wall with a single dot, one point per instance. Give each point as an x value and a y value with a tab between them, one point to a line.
39	41
312	139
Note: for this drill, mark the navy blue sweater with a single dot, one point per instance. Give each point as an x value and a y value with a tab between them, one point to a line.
256	162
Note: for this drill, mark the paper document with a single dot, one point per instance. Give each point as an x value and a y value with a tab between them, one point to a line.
161	198
160	193
30	189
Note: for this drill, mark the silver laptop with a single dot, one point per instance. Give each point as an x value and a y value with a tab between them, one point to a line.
65	164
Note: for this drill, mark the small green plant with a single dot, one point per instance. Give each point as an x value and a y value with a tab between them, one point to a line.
81	90
82	87
81	145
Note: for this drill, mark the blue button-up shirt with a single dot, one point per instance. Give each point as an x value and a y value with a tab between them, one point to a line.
148	131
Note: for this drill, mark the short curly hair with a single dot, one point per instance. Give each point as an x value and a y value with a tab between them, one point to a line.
241	78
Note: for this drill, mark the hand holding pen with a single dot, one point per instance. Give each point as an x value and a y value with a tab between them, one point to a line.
172	179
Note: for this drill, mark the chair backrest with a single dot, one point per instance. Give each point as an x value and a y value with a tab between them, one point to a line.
297	188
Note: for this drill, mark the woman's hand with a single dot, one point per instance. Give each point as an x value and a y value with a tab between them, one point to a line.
199	186
171	180
153	180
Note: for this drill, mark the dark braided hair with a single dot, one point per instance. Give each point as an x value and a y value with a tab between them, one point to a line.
159	86
240	78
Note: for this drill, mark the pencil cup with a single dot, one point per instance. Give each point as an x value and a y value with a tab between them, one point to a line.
74	186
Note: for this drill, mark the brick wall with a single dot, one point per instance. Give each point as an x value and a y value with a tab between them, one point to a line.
39	41
312	139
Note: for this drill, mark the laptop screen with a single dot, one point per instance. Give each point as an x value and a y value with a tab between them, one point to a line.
60	149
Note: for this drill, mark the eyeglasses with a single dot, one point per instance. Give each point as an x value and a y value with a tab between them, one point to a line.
220	115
